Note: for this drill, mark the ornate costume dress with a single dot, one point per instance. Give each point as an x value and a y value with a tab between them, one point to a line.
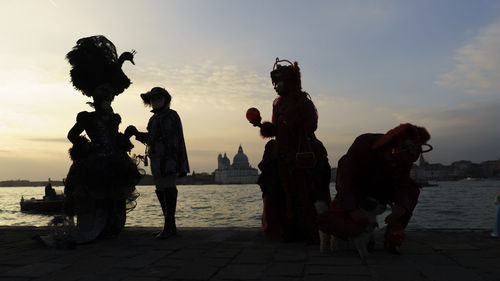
291	184
100	186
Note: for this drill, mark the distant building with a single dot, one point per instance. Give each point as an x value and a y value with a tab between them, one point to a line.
458	170
240	172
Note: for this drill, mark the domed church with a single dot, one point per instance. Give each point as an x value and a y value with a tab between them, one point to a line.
240	172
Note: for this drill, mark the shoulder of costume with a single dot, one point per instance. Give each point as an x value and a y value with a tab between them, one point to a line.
83	115
174	113
365	141
306	97
117	117
368	137
168	113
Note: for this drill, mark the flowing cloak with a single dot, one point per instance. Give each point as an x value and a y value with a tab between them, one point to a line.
362	173
289	189
167	148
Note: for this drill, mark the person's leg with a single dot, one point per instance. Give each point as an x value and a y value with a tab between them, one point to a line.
171	206
167	195
160	194
496	229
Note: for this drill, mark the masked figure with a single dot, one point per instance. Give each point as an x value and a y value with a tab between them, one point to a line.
295	169
167	151
377	166
100	185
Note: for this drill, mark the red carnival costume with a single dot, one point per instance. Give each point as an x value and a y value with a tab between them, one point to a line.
295	169
376	166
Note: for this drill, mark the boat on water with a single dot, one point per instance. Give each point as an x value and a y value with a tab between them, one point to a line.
52	202
43	206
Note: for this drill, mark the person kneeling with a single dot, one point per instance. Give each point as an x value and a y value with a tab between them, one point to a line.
376	166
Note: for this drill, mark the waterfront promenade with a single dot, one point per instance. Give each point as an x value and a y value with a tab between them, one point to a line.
244	254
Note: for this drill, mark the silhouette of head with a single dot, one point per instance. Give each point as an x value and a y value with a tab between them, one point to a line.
156	98
94	63
404	143
103	95
286	78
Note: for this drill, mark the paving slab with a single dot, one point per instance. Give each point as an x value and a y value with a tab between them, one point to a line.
245	254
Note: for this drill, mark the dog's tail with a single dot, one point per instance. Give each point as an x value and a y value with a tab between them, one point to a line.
321	207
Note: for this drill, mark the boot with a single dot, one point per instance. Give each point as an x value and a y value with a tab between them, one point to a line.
171	207
169	227
160	194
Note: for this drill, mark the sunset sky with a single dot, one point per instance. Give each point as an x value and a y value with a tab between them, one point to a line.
368	66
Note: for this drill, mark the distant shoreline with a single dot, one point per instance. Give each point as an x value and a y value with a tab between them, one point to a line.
22	183
196	179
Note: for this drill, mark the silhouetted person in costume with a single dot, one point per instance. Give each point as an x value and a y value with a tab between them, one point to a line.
50	192
295	169
100	185
496	228
167	151
377	166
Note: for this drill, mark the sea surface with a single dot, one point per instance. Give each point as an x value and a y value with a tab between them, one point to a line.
452	204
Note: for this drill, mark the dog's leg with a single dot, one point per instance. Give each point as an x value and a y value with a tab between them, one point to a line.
338	244
371	243
360	243
324	241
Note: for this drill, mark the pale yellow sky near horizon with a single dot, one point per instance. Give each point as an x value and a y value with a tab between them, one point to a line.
367	66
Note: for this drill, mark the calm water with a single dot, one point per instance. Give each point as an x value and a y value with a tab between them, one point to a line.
458	204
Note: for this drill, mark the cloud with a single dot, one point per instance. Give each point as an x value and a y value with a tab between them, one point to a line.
477	68
210	84
54	4
469	131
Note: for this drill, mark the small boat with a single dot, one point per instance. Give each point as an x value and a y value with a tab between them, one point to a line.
52	202
45	206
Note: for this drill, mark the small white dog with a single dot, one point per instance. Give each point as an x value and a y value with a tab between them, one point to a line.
371	207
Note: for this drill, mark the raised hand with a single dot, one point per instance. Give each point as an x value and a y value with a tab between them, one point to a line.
131	131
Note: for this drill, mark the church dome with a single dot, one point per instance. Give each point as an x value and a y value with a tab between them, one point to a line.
240	160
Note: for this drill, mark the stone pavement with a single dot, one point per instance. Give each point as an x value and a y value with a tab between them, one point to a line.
244	254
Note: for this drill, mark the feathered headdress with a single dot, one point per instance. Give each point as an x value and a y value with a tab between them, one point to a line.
407	131
95	62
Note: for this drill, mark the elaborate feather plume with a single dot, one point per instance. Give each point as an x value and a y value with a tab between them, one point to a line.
95	62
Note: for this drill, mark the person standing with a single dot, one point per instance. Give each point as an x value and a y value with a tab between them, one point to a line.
167	151
295	168
496	229
100	185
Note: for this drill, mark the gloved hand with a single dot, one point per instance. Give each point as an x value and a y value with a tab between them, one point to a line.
397	212
131	131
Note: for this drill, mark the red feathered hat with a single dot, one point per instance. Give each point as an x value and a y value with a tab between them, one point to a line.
405	131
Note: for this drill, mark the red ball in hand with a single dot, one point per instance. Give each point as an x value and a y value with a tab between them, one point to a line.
253	115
